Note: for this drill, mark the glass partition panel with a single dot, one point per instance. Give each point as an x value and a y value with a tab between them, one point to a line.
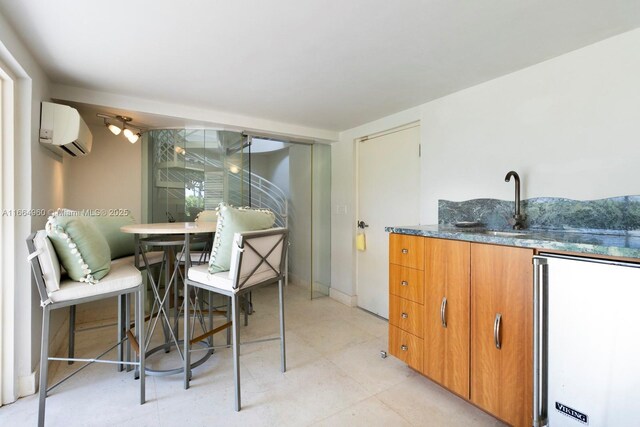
194	169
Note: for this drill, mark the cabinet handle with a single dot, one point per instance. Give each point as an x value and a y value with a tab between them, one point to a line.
404	315
443	312
404	283
405	251
496	330
404	347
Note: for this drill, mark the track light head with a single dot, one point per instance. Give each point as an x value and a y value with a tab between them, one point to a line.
133	137
114	129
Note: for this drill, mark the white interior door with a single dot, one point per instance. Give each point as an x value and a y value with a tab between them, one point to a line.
388	195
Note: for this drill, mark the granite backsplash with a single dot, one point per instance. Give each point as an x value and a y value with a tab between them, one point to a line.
615	215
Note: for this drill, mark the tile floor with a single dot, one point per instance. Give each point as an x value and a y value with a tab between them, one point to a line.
335	377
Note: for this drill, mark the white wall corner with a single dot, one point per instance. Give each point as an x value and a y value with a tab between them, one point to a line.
58	345
341	297
27	384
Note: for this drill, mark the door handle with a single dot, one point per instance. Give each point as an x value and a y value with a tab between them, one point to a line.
496	330
404	283
443	312
404	315
362	224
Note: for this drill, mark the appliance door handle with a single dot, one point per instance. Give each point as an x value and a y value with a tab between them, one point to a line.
443	312
540	340
496	330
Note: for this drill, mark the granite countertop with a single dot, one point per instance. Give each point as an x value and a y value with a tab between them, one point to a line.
615	244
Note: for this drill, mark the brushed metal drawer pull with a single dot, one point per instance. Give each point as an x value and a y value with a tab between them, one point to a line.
404	347
496	330
405	251
404	283
443	312
404	315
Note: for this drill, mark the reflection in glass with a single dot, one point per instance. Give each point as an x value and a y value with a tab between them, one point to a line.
191	170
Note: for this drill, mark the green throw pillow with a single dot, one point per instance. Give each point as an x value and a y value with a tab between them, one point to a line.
120	244
81	248
230	221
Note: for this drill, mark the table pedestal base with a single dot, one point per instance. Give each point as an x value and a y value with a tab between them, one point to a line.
165	347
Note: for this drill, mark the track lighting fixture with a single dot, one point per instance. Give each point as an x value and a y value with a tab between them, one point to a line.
126	128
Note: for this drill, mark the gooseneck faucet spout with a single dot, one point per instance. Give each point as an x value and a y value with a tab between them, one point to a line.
518	219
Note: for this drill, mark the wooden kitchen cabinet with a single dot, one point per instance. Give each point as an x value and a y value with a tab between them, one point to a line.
501	331
454	343
446	308
406	295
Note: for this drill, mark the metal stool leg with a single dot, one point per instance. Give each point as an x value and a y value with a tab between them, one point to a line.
121	330
245	300
236	347
283	357
140	333
186	337
44	365
228	320
72	332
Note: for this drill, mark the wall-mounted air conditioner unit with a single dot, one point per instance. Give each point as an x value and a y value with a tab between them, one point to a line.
63	131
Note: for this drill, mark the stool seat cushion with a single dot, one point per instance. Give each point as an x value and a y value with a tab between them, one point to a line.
121	276
200	273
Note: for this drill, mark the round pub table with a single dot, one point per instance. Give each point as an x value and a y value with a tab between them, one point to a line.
167	236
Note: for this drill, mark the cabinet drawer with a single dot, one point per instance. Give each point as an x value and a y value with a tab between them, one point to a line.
406	250
406	315
406	347
407	283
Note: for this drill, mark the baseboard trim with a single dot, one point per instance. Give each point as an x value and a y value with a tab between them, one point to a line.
27	384
317	287
341	297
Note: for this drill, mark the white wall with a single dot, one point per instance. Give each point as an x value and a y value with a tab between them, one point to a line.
108	178
569	126
37	178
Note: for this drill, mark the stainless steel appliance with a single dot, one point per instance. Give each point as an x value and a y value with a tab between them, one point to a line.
586	342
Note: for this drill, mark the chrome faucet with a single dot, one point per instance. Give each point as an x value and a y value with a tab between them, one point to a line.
518	219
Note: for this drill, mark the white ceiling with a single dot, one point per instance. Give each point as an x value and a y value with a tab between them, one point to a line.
324	64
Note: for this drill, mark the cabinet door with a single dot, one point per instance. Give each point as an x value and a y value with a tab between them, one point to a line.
446	353
501	331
